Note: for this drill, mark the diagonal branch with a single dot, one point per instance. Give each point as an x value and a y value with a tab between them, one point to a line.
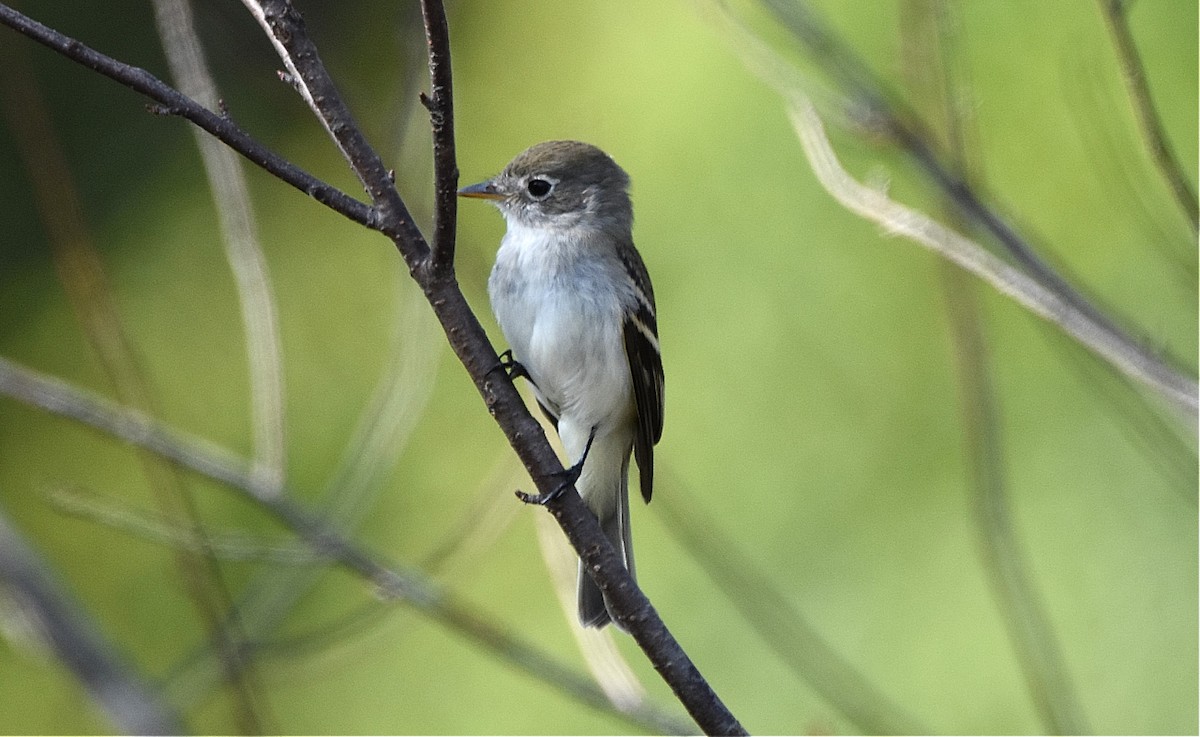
173	102
1098	337
865	98
1147	114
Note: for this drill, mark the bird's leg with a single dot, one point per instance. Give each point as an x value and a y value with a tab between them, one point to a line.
567	478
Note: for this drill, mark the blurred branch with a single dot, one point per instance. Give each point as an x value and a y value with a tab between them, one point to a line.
1116	13
401	391
777	622
81	273
1024	612
132	705
228	546
1019	286
391	582
867	103
929	37
239	232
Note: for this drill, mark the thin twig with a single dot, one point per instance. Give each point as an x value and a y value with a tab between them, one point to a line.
440	103
285	28
1019	286
1115	12
172	102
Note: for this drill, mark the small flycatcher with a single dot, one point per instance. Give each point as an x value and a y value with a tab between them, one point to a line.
574	300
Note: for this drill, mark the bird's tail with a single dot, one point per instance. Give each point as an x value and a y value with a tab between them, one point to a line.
610	503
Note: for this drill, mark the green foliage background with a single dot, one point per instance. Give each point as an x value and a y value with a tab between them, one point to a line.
812	405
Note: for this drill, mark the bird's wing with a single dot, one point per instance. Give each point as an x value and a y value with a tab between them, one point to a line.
645	368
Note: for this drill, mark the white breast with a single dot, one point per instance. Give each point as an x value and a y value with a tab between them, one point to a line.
553	298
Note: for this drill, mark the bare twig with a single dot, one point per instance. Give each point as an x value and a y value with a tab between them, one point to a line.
285	28
1019	286
172	102
470	343
1115	12
125	697
440	103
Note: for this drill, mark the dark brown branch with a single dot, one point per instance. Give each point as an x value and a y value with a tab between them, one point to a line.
471	345
1147	114
440	103
466	336
308	74
172	102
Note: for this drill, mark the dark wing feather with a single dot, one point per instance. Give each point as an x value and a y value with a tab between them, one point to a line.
645	368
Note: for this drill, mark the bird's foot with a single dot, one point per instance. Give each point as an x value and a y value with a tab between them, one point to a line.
512	367
566	478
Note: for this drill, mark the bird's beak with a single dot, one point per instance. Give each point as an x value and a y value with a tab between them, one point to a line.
483	190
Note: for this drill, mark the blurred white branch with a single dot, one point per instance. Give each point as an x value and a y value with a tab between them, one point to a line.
239	232
900	220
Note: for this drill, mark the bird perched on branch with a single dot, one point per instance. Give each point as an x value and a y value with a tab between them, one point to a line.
573	298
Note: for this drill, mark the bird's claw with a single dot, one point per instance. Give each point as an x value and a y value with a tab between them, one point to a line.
512	367
566	479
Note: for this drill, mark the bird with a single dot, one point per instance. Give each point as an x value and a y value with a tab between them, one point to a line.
573	298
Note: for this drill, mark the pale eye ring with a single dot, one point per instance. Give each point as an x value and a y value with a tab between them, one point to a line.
538	188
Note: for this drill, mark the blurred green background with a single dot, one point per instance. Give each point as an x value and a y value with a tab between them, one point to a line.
812	397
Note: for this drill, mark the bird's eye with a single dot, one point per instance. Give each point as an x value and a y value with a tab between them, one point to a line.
539	188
